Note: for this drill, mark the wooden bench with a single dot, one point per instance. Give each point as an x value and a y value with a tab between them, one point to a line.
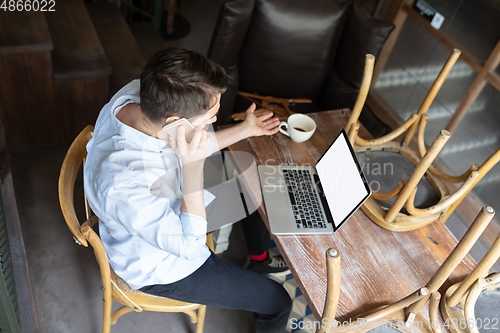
120	46
26	91
24	31
77	49
55	75
80	69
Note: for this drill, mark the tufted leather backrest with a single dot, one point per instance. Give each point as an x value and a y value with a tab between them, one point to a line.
227	39
230	30
290	46
296	49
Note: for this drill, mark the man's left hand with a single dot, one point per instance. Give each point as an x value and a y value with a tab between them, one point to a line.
263	125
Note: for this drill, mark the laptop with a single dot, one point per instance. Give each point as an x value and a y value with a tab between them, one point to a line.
314	200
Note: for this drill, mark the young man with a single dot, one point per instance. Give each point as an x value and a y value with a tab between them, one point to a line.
147	190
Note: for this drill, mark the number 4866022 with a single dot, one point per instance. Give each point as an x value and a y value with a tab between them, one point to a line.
28	5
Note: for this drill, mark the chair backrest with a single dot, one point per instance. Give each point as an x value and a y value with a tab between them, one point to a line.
83	232
69	170
290	46
313	49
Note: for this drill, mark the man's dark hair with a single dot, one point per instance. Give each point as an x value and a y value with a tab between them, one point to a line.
178	82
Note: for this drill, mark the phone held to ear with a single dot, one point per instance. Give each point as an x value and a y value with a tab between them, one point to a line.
171	129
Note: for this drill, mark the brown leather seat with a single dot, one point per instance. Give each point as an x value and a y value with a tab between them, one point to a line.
311	49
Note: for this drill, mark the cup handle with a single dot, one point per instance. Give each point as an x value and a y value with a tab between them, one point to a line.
284	123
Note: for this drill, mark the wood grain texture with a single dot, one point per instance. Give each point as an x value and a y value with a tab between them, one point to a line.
120	46
78	102
77	49
47	98
379	267
24	31
27	100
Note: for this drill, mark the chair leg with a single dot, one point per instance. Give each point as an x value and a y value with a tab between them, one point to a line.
418	173
480	271
438	82
463	247
192	315
201	319
120	312
106	309
434	312
363	92
333	276
106	320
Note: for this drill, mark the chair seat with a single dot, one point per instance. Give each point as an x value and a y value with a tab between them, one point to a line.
148	301
487	311
383	171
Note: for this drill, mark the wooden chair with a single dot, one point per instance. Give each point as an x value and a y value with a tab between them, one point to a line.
459	303
482	171
392	216
463	317
114	288
403	316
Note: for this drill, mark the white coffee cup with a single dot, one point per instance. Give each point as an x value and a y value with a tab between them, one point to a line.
299	127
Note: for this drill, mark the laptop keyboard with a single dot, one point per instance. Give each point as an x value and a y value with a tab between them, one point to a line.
303	195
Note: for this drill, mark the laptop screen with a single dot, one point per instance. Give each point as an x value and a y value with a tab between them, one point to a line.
342	180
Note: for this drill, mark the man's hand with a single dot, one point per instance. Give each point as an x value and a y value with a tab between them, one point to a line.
263	125
193	156
196	150
251	126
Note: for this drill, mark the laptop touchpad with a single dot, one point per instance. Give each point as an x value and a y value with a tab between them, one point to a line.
276	197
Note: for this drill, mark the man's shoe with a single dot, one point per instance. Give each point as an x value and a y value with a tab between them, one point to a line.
273	265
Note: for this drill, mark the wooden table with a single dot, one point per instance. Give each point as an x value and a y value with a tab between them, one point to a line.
378	266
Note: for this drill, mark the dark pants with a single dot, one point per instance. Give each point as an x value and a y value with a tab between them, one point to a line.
221	284
256	234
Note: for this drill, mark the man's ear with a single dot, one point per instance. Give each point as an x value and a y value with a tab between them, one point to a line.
171	119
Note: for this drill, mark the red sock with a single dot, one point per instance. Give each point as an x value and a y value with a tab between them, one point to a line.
260	257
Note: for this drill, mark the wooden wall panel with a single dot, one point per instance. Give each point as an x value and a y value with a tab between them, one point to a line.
39	111
27	100
79	101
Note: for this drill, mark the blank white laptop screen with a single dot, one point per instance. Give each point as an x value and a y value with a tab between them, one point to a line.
343	183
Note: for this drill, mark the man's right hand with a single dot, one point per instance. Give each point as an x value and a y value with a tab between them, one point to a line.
193	156
196	150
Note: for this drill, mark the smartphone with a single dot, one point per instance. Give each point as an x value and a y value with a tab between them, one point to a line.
171	129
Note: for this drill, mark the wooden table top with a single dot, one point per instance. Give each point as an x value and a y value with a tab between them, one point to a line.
378	266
